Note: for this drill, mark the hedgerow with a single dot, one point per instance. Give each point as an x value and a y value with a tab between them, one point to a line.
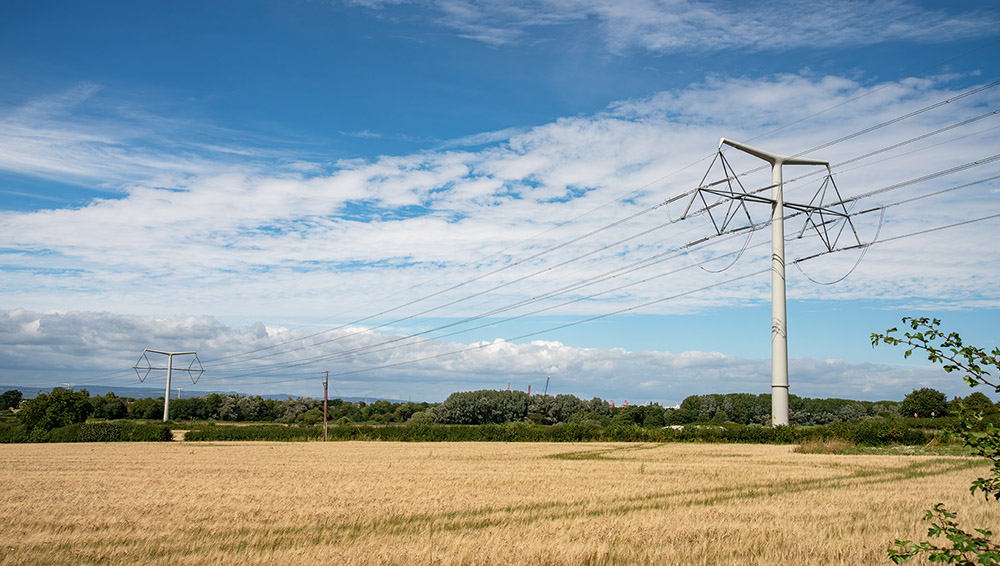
871	433
119	431
255	432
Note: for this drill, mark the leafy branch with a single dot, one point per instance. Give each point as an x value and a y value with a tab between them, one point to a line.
949	350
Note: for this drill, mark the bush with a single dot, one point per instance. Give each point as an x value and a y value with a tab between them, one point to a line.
13	433
925	402
256	432
310	417
88	432
878	433
112	432
58	408
10	399
421	418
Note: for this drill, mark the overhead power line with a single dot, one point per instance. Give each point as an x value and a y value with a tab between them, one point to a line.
395	343
623	220
628	268
628	309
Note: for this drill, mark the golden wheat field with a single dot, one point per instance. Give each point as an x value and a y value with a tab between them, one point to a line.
467	503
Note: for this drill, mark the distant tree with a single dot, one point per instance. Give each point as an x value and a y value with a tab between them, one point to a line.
977	401
653	416
146	408
720	417
631	415
350	411
552	410
115	408
377	409
739	407
852	412
10	399
710	404
688	411
109	406
590	417
292	408
404	411
229	408
212	403
311	417
925	402
565	406
483	407
256	409
59	408
421	417
188	409
541	409
599	406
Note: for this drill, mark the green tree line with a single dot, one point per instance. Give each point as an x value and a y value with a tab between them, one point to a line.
62	407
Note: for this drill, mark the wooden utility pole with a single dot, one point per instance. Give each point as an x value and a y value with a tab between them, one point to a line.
326	380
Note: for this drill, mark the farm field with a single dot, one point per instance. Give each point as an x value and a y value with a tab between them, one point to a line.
468	503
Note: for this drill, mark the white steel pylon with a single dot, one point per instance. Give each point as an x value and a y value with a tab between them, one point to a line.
190	369
822	220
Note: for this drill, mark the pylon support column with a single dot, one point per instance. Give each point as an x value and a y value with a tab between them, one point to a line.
779	321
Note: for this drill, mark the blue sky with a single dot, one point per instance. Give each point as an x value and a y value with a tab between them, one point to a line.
231	176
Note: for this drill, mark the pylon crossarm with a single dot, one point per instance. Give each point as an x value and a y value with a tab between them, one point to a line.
728	177
142	376
731	175
708	208
139	366
822	228
840	201
740	196
192	372
806	209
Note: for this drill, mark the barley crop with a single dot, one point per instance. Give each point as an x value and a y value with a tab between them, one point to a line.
468	503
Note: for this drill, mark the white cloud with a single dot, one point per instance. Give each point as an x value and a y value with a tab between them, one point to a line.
216	242
46	349
670	26
370	236
88	136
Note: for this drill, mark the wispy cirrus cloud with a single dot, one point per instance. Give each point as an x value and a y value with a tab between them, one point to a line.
310	239
359	237
673	26
86	135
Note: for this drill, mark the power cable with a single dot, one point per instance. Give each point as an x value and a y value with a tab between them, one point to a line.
873	91
630	309
629	268
864	247
881	125
369	349
640	213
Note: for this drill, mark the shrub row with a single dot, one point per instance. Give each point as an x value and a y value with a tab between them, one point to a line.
866	433
255	432
870	433
88	432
